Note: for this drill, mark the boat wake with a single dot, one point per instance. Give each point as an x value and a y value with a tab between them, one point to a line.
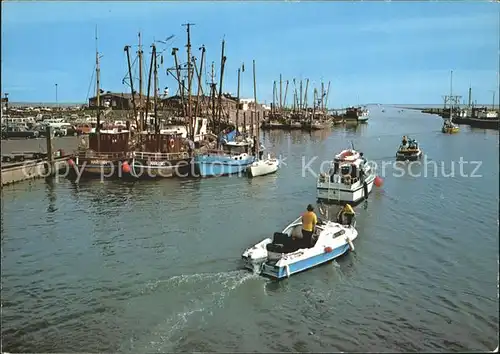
201	294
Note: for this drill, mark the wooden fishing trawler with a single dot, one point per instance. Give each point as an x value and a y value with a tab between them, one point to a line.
161	156
106	151
105	156
158	155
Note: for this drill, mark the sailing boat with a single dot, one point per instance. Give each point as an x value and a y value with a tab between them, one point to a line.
260	167
448	126
159	155
233	158
107	152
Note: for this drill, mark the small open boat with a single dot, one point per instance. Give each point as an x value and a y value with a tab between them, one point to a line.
263	167
284	254
409	150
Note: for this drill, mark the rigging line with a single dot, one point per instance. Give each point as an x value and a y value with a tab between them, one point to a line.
90	84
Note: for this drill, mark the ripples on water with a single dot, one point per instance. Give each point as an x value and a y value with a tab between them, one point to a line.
154	267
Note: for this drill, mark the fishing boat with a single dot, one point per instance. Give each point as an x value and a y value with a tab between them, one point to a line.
409	150
449	127
295	124
159	155
105	151
485	119
349	180
317	125
233	158
359	114
285	254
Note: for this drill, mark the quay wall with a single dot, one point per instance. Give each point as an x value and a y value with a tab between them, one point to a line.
22	171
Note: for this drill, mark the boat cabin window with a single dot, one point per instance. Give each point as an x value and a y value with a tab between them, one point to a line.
235	149
350	169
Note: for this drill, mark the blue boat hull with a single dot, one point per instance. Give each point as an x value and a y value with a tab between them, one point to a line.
297	267
219	165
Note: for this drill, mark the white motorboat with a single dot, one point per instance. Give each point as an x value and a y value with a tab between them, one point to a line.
349	180
263	167
285	255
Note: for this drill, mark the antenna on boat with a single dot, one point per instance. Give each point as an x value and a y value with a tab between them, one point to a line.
352	145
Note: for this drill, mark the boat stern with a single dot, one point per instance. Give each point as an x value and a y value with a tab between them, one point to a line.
254	256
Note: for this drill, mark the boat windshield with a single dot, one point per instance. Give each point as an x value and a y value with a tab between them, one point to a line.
235	149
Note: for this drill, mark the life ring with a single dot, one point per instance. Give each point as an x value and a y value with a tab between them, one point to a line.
172	143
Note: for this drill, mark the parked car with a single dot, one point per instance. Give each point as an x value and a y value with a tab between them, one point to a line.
19	132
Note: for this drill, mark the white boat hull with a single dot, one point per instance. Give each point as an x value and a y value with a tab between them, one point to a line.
339	192
333	241
263	167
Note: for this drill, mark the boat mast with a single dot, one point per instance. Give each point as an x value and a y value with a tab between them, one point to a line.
134	106
178	78
274	98
200	88
326	98
315	94
149	83
242	68
286	91
281	97
223	61
155	98
295	97
212	93
188	47
255	110
300	91
141	107
322	97
305	96
451	96
98	93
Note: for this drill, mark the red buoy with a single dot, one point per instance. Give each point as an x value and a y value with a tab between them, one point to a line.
328	249
125	167
378	181
71	163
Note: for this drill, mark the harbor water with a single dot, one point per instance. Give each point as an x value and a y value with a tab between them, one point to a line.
154	266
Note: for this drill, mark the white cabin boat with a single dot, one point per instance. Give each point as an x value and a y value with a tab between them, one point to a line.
285	254
350	179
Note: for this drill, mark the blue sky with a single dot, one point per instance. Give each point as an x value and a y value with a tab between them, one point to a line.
384	52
